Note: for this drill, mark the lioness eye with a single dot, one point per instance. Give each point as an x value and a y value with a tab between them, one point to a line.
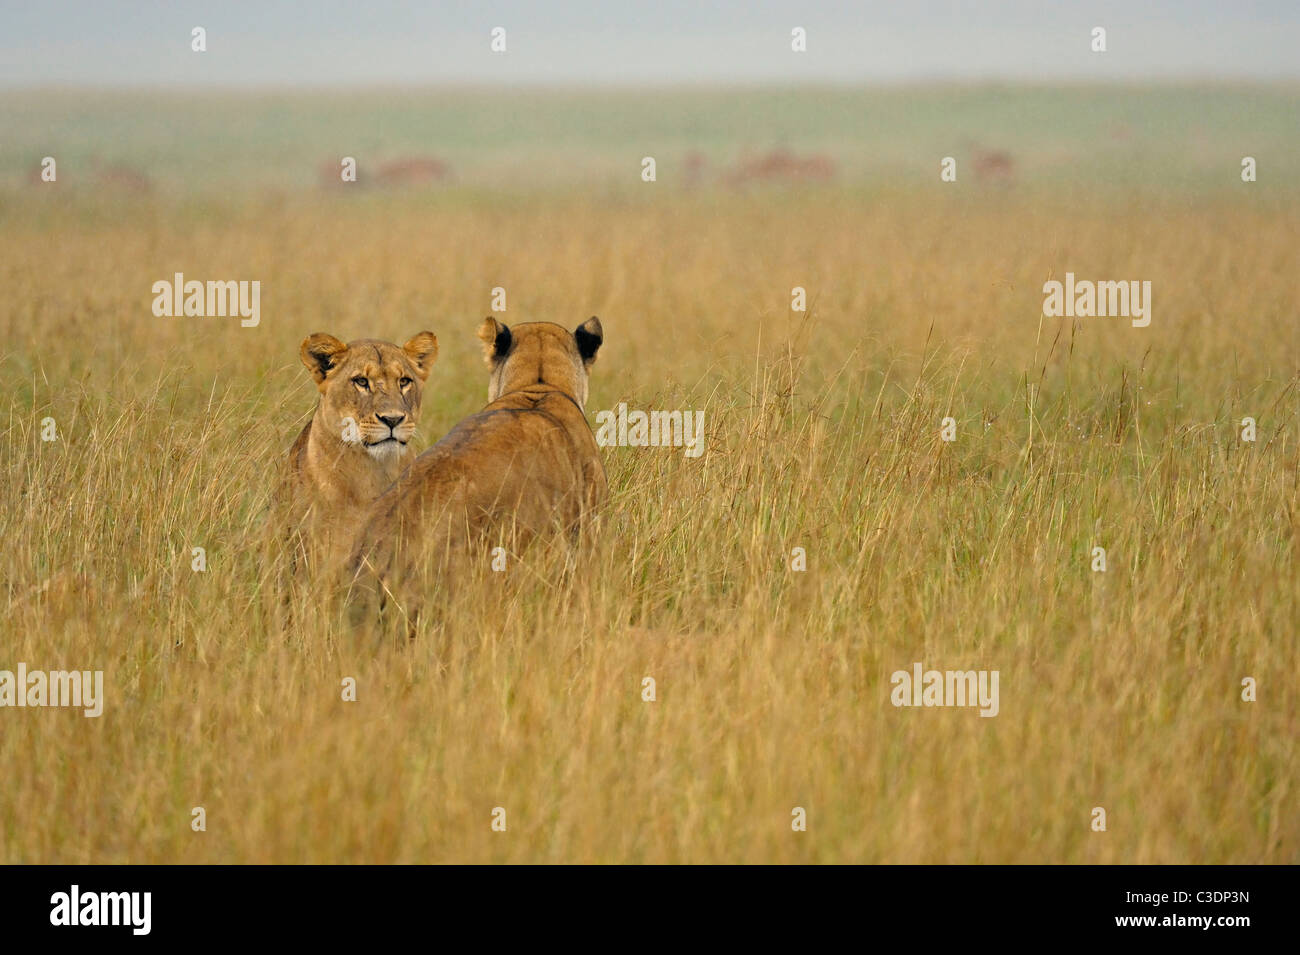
405	382
361	383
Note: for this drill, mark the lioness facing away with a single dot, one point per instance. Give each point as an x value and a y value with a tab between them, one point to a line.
526	463
357	442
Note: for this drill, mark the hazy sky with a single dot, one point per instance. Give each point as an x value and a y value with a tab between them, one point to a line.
363	42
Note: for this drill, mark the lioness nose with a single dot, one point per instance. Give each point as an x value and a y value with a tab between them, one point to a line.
392	420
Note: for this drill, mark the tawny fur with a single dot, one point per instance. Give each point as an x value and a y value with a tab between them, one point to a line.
526	464
348	453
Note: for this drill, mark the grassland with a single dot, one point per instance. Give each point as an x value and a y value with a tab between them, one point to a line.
1119	689
1067	140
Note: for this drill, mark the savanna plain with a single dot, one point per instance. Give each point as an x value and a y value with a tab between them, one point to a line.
1120	689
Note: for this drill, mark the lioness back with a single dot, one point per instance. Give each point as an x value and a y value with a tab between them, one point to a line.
525	464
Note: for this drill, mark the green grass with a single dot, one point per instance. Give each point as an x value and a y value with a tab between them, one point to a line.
1149	138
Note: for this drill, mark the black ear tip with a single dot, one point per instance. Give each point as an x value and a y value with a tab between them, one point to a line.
589	336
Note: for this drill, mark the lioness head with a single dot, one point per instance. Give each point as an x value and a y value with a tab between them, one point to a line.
539	353
370	390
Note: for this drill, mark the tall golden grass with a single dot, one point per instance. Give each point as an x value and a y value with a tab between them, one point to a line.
1119	690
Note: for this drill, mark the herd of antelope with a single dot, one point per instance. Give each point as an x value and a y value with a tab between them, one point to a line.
778	166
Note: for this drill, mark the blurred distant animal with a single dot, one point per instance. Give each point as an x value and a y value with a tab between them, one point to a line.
111	176
782	166
418	171
991	165
119	177
694	169
396	173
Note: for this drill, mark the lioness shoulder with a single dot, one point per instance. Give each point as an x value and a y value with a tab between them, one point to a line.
527	461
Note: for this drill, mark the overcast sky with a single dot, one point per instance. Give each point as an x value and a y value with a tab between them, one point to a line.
368	42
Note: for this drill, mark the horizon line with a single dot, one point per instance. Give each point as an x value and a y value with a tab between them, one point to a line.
1254	81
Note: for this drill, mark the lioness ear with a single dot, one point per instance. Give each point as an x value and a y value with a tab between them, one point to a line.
423	351
321	354
589	336
496	339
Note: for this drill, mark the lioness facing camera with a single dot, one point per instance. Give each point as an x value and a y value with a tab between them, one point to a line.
526	463
357	442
